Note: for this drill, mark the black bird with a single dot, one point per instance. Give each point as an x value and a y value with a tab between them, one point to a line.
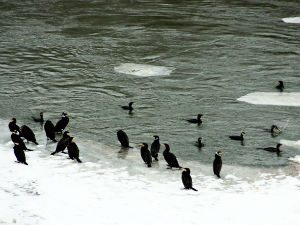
239	138
13	125
274	129
217	165
170	157
199	142
62	144
187	179
49	130
272	149
73	150
128	107
28	134
123	139
198	120
62	123
19	153
146	155
155	146
17	139
41	119
280	85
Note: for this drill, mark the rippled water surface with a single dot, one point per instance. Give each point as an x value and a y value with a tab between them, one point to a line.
59	56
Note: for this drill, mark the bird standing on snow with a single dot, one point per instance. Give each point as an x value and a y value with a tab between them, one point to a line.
187	179
19	153
217	165
146	155
155	146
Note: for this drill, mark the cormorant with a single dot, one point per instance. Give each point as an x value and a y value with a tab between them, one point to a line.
19	153
13	125
198	120
146	155
199	142
123	139
155	146
187	179
73	150
62	144
49	130
41	119
129	107
272	149
62	123
17	139
239	138
170	157
217	165
280	85
28	134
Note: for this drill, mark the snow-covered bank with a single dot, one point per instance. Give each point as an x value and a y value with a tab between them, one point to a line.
56	190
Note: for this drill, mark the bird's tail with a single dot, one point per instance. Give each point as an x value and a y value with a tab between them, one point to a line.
26	163
78	160
53	153
149	164
36	143
194	189
27	149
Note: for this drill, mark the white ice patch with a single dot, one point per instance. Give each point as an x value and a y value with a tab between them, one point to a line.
272	98
143	70
291	20
295	144
295	159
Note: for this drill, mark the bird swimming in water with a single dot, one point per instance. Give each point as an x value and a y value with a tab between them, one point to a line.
28	134
170	157
128	107
41	119
123	139
13	125
217	165
187	179
17	139
272	149
73	150
146	155
198	120
49	130
155	146
199	142
62	123
239	138
280	85
19	153
63	143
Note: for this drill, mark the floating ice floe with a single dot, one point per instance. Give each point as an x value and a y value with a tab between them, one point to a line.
143	70
295	144
295	159
272	98
291	20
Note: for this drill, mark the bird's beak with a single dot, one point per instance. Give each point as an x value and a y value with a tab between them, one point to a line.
142	145
184	170
163	145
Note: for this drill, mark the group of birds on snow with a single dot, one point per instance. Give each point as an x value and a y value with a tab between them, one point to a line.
73	151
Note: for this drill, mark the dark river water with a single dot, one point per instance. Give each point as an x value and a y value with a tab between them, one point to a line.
59	56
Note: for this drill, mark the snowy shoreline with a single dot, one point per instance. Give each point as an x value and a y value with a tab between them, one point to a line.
54	190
